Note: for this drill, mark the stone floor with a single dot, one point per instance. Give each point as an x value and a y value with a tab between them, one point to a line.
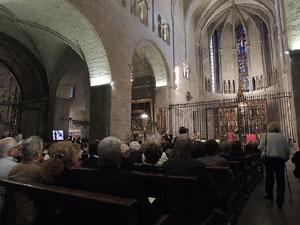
260	212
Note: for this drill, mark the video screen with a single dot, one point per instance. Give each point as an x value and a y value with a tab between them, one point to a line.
58	135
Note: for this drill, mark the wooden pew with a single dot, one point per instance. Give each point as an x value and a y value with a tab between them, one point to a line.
226	197
54	205
157	168
179	196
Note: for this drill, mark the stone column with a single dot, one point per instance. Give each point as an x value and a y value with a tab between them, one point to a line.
295	69
100	112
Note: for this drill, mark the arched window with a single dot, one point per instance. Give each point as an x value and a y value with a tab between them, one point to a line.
233	86
253	84
159	25
242	59
142	11
214	62
133	7
165	33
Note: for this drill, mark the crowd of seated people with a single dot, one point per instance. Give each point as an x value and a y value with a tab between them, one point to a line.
113	163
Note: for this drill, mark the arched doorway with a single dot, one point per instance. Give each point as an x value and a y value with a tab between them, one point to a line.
10	97
26	89
149	91
53	38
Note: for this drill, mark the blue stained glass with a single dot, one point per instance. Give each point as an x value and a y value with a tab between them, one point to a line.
242	59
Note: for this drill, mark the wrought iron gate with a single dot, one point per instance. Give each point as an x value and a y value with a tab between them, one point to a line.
241	116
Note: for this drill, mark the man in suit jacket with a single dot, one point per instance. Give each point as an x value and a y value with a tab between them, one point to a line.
92	161
185	165
109	178
212	159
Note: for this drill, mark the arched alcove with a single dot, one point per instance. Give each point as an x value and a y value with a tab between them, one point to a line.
149	89
41	18
29	113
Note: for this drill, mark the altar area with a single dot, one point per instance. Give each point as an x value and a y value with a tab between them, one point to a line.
239	116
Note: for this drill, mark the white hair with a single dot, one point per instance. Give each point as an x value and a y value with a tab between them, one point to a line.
6	144
124	148
134	146
30	147
109	152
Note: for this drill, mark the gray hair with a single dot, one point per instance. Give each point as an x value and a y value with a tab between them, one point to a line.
109	152
273	127
183	145
225	147
134	146
30	147
6	144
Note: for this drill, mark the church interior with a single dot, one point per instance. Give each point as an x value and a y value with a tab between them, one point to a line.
142	71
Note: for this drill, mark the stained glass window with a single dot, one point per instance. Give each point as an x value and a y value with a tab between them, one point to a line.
214	62
242	59
212	65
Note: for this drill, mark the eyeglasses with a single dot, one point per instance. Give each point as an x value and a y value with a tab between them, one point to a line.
15	147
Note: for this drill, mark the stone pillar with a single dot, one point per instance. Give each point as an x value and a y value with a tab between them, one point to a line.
295	69
100	112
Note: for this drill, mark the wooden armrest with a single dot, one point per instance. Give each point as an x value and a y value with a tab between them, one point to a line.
164	220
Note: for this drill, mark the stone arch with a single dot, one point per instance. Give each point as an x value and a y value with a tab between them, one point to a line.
156	60
72	27
72	114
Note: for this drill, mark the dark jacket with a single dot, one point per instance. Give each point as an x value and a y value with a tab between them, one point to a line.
91	162
296	161
180	198
121	183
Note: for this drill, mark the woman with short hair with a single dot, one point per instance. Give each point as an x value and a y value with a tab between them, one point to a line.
58	169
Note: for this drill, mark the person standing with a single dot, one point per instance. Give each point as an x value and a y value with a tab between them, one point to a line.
275	152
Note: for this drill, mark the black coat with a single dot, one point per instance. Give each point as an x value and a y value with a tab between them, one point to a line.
179	199
121	183
91	162
296	161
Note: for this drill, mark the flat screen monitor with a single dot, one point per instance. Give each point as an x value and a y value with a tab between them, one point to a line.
58	135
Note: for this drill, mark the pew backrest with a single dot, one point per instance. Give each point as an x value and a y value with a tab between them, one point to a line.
58	200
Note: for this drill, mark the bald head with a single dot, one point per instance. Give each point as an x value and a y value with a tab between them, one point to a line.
183	145
8	146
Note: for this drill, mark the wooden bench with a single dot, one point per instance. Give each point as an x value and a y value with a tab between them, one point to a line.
179	196
57	206
226	197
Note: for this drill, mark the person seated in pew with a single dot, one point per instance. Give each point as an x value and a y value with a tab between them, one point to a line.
152	154
185	165
198	150
212	158
225	149
135	153
126	164
109	178
236	149
29	170
252	148
167	148
58	169
92	160
154	142
78	156
9	151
